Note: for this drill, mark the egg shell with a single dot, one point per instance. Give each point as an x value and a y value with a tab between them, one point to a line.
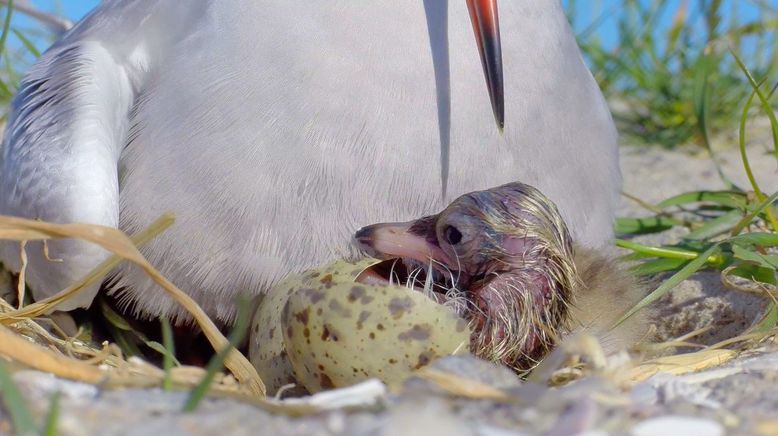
267	350
338	332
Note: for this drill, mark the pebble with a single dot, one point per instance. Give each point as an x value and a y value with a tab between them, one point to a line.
680	425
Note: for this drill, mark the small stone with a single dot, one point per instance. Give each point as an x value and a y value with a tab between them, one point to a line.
673	424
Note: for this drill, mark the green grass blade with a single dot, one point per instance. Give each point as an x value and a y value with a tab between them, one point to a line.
217	362
733	199
754	272
27	43
665	252
52	419
684	273
747	166
701	103
768	321
6	24
169	352
716	226
14	403
764	260
657	266
751	216
763	239
641	226
762	98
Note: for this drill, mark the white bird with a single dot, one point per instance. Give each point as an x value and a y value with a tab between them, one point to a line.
275	129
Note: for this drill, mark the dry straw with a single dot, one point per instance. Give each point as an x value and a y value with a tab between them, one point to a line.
24	340
53	358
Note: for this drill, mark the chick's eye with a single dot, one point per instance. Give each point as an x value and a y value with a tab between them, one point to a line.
453	235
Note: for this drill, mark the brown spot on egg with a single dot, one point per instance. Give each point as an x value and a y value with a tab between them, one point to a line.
356	293
372	335
399	306
329	333
314	295
380	326
363	316
419	332
425	358
302	316
338	309
272	332
326	281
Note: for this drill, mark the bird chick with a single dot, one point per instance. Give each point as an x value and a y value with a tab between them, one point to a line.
515	273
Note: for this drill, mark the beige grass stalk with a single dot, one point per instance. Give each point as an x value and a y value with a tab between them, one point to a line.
123	248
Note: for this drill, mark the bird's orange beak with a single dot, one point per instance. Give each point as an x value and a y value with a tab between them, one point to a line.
486	25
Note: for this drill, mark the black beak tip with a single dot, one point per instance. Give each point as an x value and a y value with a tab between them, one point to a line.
365	233
363	238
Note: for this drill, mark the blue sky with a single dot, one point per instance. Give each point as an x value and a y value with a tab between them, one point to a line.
71	8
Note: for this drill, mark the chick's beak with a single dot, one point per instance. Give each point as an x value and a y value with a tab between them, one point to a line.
399	240
486	25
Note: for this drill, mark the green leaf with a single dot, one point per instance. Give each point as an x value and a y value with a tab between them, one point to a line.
716	226
217	362
6	24
768	109
733	199
685	272
764	260
768	322
27	43
658	266
160	348
114	318
762	239
702	72
169	355
668	252
754	272
745	221
640	226
52	419
14	403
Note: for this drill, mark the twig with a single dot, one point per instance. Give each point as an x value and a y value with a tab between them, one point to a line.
56	23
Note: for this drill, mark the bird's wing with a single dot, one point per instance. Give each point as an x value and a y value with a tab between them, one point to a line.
61	151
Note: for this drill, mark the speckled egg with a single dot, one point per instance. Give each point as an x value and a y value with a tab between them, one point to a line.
325	330
267	350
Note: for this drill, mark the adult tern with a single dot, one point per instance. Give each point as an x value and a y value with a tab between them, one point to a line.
274	129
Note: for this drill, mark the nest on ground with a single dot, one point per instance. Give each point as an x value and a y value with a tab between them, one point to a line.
25	341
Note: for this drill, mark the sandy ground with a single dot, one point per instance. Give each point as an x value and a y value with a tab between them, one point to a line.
652	175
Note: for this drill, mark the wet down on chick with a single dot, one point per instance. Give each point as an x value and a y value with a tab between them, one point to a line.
504	259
